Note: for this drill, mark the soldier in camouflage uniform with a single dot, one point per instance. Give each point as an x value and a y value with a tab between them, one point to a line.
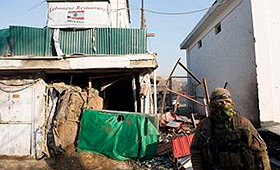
227	141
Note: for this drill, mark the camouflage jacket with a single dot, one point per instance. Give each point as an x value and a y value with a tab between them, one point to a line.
239	147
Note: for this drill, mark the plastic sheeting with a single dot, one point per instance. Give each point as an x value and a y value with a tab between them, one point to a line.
118	135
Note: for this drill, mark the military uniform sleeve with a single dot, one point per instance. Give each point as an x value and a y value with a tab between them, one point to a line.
258	147
196	149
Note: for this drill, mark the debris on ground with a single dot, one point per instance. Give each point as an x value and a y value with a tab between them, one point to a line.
168	148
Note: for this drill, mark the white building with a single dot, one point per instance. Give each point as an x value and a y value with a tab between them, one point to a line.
237	42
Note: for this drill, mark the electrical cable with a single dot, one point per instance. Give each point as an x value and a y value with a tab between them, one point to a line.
35	6
18	90
175	13
172	13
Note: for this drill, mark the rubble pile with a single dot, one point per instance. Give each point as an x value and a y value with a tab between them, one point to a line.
67	103
159	162
176	131
273	147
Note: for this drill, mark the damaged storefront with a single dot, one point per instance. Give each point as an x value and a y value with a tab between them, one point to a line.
43	94
41	117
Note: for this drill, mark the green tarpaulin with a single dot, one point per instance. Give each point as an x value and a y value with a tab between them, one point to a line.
118	135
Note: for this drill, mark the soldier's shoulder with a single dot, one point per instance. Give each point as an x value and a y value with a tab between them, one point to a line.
241	121
205	122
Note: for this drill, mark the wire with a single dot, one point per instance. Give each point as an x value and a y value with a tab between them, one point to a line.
18	90
23	84
35	6
175	13
171	13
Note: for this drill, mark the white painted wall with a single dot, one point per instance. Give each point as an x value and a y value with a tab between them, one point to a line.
230	57
266	21
119	14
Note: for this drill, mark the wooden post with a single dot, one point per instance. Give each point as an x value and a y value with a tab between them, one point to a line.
206	97
166	84
142	15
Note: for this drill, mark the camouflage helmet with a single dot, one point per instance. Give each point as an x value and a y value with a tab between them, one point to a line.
220	94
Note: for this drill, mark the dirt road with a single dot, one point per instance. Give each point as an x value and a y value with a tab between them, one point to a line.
76	161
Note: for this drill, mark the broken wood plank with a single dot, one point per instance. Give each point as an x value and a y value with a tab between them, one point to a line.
185	96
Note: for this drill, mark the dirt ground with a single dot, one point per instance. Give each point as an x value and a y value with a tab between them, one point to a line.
76	161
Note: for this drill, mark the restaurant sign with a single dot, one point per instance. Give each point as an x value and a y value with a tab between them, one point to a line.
78	14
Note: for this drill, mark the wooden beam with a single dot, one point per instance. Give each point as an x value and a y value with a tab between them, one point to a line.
187	70
185	96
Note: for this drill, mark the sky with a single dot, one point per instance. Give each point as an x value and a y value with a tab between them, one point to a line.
170	30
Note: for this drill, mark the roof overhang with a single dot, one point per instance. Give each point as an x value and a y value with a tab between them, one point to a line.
79	63
211	14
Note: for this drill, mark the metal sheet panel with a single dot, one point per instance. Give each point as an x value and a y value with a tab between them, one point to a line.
120	41
15	139
108	41
18	99
31	41
4	45
76	41
21	115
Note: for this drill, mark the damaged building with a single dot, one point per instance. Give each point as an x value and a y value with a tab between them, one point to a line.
87	57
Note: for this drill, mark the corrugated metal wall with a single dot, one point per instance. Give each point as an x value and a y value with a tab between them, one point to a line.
120	41
39	41
4	44
31	41
76	41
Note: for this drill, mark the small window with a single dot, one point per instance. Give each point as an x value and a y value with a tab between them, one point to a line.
218	28
199	44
